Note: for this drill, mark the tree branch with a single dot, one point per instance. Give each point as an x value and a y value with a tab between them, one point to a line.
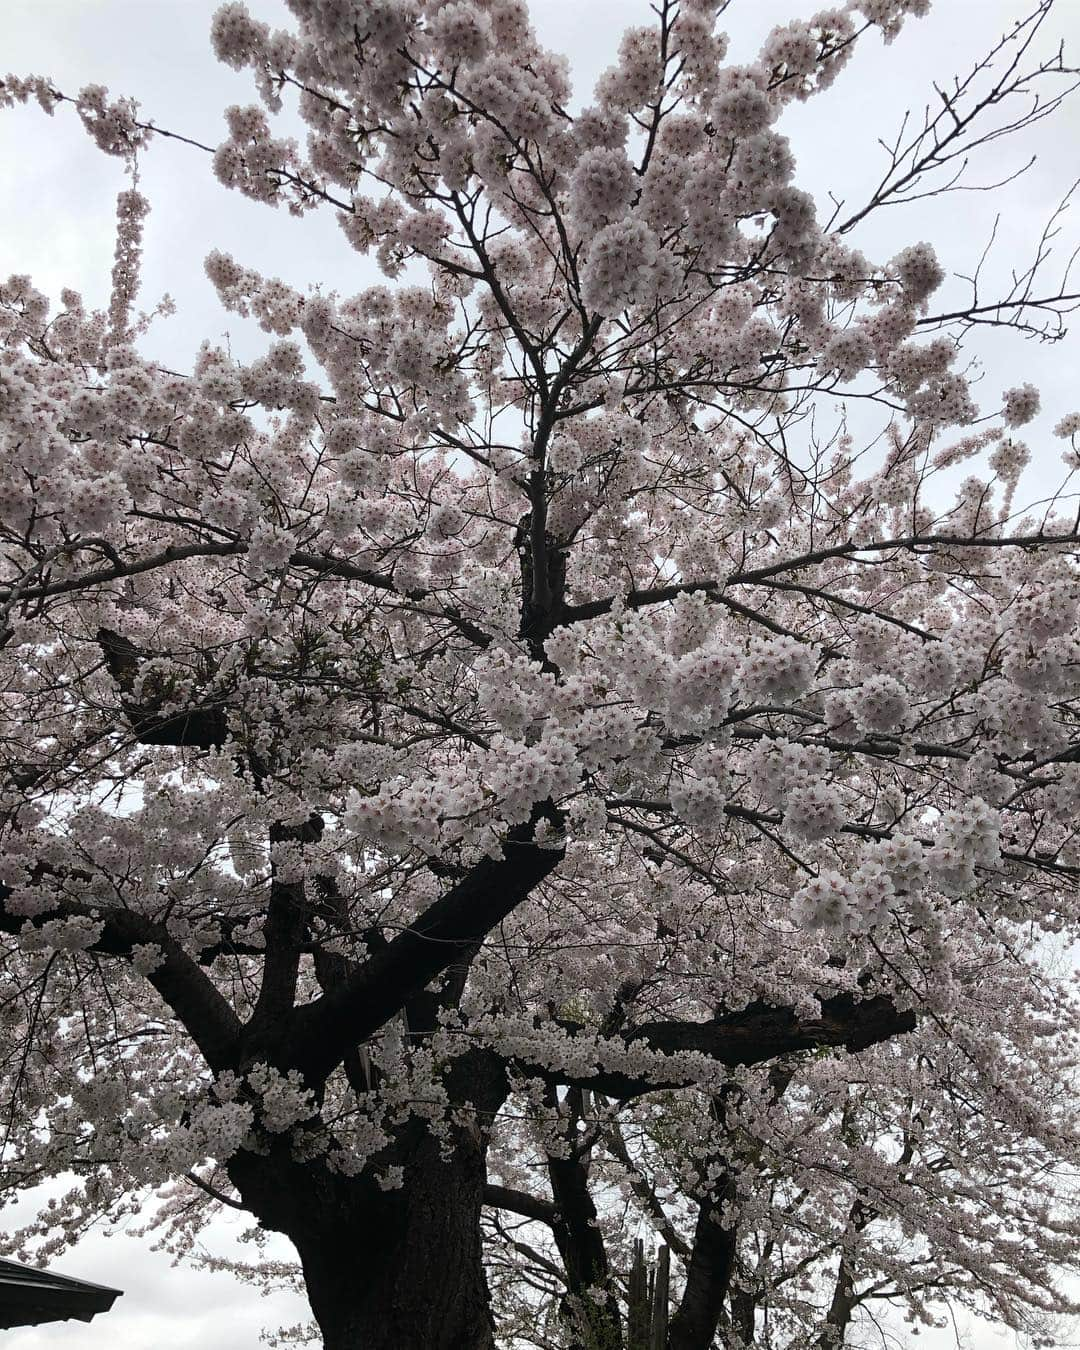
752	1036
519	1202
446	933
180	981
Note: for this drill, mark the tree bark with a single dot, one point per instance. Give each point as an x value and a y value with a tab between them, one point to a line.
742	1319
388	1269
594	1326
404	1271
844	1299
708	1275
396	1269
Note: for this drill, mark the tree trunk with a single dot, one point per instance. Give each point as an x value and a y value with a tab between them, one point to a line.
743	1309
403	1271
708	1274
385	1269
393	1269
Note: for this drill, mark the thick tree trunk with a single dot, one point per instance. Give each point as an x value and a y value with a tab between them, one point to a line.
403	1270
392	1269
398	1268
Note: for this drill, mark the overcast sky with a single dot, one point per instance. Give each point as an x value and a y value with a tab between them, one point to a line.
58	194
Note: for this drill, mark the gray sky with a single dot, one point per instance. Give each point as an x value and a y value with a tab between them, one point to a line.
59	194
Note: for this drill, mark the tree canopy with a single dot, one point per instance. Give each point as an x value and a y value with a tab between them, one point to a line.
509	771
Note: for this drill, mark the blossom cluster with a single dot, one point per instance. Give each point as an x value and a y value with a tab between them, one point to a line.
531	584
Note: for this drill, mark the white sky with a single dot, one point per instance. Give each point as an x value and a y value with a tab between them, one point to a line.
59	192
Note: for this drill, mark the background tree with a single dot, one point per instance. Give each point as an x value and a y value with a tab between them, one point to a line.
505	747
872	1184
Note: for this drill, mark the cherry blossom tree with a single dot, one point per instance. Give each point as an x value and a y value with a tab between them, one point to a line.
497	772
843	1184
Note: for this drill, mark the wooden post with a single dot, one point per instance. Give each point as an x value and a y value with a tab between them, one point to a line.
637	1306
660	1299
647	1301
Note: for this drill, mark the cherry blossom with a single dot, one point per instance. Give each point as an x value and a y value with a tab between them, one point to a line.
510	752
